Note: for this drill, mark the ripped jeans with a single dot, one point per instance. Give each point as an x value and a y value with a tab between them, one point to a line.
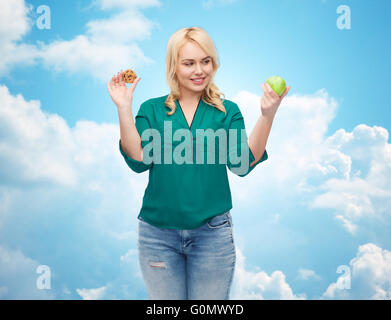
192	264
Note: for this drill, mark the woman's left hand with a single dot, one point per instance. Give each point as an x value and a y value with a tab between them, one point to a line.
270	100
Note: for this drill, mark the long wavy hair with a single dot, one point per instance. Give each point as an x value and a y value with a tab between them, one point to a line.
211	94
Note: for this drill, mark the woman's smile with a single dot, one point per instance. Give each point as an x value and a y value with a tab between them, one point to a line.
198	81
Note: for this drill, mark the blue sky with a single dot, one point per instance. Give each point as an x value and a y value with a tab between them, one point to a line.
322	199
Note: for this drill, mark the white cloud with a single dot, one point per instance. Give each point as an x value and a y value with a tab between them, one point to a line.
91	294
39	150
128	283
364	192
307	274
52	173
18	277
123	27
15	23
370	276
295	143
35	146
347	172
259	285
108	45
82	55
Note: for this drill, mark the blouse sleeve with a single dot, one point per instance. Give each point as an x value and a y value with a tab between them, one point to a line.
239	155
142	123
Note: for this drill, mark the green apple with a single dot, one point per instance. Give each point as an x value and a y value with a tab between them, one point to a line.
277	83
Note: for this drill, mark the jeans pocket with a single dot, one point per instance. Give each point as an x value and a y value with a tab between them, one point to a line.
220	221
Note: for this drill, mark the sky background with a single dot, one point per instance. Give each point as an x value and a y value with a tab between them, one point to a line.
320	203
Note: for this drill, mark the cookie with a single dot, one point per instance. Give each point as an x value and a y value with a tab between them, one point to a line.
129	76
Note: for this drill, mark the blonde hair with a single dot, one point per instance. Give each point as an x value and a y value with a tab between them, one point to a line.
200	37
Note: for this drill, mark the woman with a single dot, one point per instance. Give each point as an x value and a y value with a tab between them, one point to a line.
185	238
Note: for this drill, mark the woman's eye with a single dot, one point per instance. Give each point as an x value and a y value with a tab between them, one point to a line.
189	64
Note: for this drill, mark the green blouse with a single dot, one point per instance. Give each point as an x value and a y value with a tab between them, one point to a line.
187	187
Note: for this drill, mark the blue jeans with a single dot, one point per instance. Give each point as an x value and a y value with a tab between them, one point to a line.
189	264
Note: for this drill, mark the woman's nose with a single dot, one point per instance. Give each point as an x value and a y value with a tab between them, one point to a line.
198	69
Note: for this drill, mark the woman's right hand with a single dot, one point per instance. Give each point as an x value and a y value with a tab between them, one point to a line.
121	95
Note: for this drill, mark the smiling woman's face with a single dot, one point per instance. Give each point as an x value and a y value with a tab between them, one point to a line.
193	63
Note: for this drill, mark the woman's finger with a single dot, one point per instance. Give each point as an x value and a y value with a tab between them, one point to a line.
112	82
263	88
285	92
109	87
134	84
265	91
271	92
121	79
116	80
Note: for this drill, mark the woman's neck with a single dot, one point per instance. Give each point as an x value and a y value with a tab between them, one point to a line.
190	99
